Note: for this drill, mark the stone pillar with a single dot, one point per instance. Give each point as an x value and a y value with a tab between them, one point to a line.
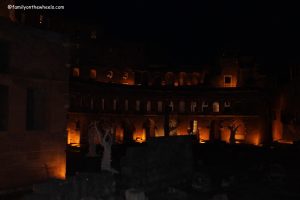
166	121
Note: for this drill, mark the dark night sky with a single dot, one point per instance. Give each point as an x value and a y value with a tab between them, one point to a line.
200	28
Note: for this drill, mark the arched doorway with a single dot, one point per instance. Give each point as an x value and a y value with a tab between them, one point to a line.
150	128
128	130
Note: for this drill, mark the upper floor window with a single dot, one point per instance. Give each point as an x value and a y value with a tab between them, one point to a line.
204	105
76	72
169	79
125	76
138	78
36	109
148	106
159	106
216	107
227	104
114	104
182	78
126	105
102	104
195	78
93	74
109	74
3	107
92	106
193	106
171	106
137	105
181	106
227	80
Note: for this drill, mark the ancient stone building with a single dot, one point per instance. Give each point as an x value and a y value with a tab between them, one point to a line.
227	102
33	105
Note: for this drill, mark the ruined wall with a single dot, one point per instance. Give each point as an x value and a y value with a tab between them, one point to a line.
162	161
36	61
191	109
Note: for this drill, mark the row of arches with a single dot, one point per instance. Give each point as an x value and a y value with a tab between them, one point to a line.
141	77
94	103
130	130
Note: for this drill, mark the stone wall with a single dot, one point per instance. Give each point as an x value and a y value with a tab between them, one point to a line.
158	163
36	59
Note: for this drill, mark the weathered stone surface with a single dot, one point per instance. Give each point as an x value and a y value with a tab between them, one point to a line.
35	60
220	197
162	162
81	186
135	194
202	182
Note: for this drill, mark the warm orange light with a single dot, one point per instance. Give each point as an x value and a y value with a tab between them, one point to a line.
285	141
139	136
127	79
73	137
59	171
229	80
76	72
240	137
119	135
93	74
277	127
254	138
204	135
225	135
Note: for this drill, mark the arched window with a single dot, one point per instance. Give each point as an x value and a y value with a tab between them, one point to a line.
181	106
204	106
138	78
126	105
102	104
115	105
159	106
193	106
137	105
109	74
171	106
227	104
76	72
169	77
182	78
227	80
195	78
148	106
93	74
216	107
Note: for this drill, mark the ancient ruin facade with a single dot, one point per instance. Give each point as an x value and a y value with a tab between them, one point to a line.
149	102
33	105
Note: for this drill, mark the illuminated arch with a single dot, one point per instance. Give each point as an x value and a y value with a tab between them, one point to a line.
216	107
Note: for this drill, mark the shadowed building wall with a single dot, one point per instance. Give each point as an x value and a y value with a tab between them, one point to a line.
34	88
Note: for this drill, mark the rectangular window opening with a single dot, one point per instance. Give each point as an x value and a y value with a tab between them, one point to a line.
36	109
